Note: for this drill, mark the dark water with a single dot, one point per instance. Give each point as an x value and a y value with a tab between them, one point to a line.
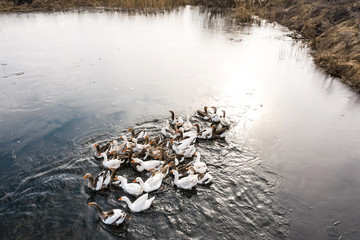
288	169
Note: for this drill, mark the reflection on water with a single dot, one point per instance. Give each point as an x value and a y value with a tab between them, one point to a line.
71	79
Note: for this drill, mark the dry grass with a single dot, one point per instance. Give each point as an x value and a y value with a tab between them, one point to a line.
332	28
243	11
54	5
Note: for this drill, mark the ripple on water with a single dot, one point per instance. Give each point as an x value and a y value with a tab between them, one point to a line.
240	202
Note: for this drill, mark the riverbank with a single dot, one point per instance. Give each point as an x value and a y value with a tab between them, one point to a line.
332	28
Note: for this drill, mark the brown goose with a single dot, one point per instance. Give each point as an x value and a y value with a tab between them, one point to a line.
112	217
100	182
204	115
205	133
100	150
176	121
140	135
220	133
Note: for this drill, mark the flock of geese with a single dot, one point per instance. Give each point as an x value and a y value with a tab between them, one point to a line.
173	151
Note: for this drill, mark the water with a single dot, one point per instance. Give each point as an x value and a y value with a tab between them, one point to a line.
288	169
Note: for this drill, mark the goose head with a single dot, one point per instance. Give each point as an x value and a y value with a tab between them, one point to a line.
88	175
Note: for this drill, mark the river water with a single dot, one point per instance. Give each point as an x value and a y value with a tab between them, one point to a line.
288	168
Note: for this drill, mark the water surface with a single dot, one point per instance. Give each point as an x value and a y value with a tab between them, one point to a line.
288	169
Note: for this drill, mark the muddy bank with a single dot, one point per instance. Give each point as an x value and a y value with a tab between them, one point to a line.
331	27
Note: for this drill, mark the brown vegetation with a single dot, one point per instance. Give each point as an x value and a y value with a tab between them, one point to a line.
54	5
332	27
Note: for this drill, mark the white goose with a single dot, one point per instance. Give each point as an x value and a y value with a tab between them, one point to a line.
114	146
131	188
112	217
187	125
152	183
186	182
113	163
200	167
215	118
224	120
146	165
140	204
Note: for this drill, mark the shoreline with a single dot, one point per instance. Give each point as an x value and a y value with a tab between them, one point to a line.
331	29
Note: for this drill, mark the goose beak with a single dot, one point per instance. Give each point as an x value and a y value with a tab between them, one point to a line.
157	157
187	168
134	181
172	171
132	161
90	203
85	176
120	199
115	178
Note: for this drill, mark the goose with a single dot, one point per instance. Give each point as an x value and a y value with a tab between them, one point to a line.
130	188
146	165
187	125
164	170
203	178
188	152
179	147
206	133
175	121
200	167
204	115
99	150
183	170
133	143
100	182
124	138
140	204
152	183
144	153
167	131
224	120
112	163
215	118
112	217
221	133
140	136
186	182
114	146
